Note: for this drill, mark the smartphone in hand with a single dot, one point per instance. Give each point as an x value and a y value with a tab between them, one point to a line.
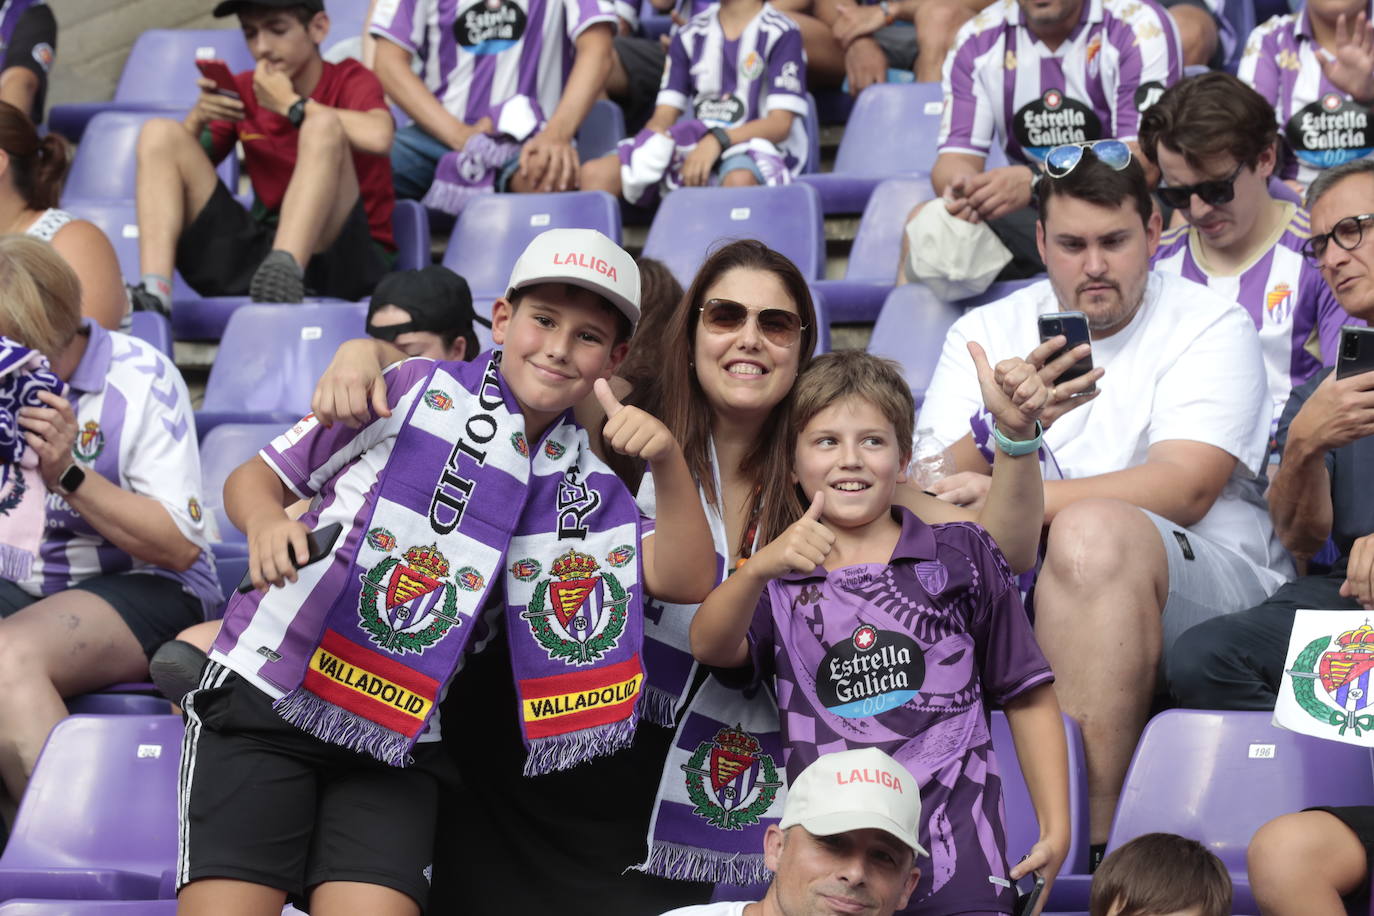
1028	891
1074	326
218	71
1356	353
319	543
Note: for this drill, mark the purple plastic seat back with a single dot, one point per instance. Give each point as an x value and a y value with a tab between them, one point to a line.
692	222
410	226
222	450
911	330
118	219
1217	776
892	130
161	67
996	291
89	908
99	817
117	704
494	230
1023	830
1279	190
106	163
231	565
601	130
878	242
154	329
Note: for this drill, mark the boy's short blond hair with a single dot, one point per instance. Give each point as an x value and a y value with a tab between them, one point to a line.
844	374
40	296
1160	873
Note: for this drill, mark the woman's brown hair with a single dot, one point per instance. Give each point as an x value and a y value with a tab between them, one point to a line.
38	166
684	408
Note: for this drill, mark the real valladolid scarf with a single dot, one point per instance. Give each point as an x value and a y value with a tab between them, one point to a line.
468	508
23	374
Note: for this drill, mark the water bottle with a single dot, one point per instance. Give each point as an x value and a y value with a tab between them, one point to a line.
930	460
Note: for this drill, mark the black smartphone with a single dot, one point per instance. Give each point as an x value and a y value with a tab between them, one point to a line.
218	71
1356	354
1028	891
319	543
1074	326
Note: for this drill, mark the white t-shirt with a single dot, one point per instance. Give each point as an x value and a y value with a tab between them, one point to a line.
725	908
1188	366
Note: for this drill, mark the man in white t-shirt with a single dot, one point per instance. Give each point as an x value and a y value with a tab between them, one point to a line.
1159	521
846	842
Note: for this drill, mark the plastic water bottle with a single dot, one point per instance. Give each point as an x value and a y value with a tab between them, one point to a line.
930	461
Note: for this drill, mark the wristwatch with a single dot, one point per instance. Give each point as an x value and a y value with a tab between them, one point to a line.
296	113
722	138
71	478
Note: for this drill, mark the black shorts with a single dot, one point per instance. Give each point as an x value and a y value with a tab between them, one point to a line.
221	250
643	60
1016	230
155	608
33	46
1360	819
265	802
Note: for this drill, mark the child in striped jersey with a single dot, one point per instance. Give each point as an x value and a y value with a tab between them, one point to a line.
738	74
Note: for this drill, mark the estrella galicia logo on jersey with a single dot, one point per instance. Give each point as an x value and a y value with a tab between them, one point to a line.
406	603
490	26
1146	94
90	442
869	673
1053	120
722	109
570	615
730	780
1330	131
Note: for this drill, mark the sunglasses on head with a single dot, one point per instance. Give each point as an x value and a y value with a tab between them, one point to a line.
1062	160
1347	234
1213	193
723	316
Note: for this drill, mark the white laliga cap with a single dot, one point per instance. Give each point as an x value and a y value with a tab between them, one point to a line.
585	258
856	790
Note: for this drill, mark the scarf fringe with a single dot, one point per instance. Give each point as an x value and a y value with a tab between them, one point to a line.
15	563
658	706
689	863
561	752
328	722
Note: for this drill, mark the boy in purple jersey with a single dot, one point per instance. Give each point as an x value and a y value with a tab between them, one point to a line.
476	55
738	72
882	631
1214	141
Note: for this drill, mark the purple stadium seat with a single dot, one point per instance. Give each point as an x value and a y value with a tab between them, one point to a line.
153	328
891	132
410	227
1281	191
873	256
813	137
99	818
89	908
269	359
911	330
1216	777
347	19
691	222
222	450
231	565
106	162
494	230
601	130
1022	828
653	23
996	291
822	320
117	704
159	75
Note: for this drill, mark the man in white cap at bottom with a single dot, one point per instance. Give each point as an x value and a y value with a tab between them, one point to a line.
846	842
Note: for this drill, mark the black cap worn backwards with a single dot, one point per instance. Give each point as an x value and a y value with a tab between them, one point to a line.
230	7
437	299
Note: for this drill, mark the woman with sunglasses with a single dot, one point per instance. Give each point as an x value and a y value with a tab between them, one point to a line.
729	357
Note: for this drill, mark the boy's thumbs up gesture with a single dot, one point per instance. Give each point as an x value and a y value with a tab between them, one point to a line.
801	548
631	431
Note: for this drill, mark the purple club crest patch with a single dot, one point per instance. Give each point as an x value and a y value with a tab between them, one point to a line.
933	576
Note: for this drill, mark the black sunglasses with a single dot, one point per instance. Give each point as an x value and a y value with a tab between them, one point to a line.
1213	193
724	316
1347	233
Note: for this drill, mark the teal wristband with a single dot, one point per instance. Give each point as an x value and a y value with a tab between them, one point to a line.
1015	449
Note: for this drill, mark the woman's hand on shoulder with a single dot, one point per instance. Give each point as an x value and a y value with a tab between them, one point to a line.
352	389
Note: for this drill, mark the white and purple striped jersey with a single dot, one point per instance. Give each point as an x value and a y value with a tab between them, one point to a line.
1001	83
726	83
135	429
1320	125
476	54
1295	312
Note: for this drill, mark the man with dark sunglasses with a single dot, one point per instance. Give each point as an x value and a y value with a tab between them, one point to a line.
1214	141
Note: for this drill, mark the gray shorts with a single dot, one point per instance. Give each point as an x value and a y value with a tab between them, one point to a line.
898	42
1206	579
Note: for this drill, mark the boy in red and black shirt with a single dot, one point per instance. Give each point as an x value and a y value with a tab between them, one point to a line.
316	138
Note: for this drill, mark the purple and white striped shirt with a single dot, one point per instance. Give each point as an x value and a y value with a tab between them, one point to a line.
725	83
1001	83
476	54
135	429
1295	312
1320	125
11	11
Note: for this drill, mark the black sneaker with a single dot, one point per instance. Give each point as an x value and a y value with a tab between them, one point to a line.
176	668
143	301
278	279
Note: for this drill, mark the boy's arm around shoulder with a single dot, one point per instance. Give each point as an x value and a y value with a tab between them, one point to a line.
1037	729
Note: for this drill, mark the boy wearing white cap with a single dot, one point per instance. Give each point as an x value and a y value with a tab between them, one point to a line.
470	503
846	842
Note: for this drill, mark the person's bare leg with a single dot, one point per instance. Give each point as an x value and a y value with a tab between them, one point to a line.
906	245
937	24
70	643
175	181
322	191
739	178
824	56
1197	32
345	898
19	87
601	174
1098	603
220	896
1301	864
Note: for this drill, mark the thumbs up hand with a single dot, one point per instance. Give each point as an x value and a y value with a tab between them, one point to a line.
801	548
631	431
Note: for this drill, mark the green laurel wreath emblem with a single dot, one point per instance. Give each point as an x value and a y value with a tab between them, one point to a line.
393	640
716	815
570	650
1305	692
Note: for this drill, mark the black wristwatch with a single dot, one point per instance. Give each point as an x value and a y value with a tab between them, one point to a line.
722	138
296	113
73	477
